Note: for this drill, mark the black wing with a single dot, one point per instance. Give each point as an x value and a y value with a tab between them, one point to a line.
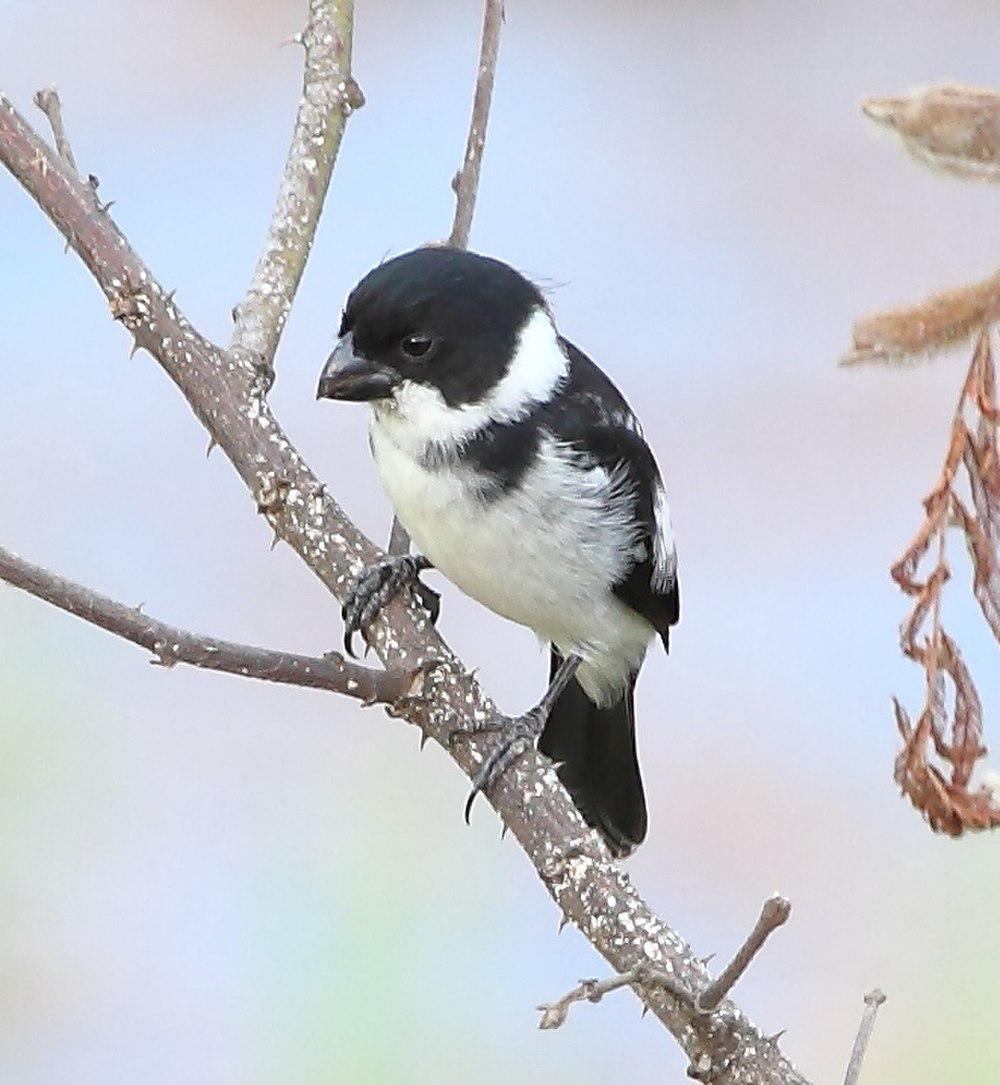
591	415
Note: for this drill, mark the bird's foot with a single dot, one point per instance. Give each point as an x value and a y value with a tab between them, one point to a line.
380	583
516	733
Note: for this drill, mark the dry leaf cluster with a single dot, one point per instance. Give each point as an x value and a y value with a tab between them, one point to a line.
941	750
949	128
955	130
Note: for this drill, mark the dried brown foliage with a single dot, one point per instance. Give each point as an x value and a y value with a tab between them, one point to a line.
941	750
954	130
914	331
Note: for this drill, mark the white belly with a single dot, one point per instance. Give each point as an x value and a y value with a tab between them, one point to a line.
541	555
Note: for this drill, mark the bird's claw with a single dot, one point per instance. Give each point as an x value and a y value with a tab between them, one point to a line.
517	734
376	586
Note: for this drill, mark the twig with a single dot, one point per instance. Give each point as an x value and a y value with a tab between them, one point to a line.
47	100
466	181
223	389
555	1013
171	645
329	96
873	1000
775	912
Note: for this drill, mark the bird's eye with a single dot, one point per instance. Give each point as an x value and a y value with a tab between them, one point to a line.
416	346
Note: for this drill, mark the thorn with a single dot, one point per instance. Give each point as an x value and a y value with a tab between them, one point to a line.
138	607
104	208
352	95
706	961
169	296
424	736
94	181
212	443
775	1037
135	349
234	313
563	920
645	1010
503	830
275	540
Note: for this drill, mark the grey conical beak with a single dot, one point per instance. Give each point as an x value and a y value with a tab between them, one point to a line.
347	376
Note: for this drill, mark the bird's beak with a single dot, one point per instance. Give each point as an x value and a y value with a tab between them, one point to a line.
346	376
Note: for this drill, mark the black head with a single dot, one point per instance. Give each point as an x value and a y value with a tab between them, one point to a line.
437	316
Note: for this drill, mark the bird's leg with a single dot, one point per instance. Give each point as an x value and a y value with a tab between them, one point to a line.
380	583
516	732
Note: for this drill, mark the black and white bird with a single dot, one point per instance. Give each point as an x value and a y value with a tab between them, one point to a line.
522	475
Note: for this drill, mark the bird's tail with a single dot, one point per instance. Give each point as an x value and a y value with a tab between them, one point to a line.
597	763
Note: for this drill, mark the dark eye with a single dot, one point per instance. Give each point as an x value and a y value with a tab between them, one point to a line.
416	346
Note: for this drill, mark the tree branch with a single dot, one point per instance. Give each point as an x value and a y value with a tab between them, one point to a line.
171	645
226	391
554	1014
329	96
466	181
873	1000
47	100
775	912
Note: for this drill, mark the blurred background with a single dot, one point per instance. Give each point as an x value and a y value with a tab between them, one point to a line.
205	880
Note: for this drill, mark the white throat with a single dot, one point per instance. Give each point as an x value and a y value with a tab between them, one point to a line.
417	416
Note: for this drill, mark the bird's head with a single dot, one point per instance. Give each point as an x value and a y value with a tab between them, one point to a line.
437	325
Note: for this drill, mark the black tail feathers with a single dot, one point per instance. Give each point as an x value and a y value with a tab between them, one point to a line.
595	750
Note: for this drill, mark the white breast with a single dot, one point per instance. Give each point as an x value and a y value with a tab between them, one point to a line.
542	555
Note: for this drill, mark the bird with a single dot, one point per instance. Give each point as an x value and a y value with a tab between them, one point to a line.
522	475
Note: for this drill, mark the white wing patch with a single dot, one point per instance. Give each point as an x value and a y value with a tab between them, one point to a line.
664	547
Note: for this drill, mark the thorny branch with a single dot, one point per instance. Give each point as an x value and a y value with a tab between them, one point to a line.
703	1004
329	96
170	645
955	130
466	181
